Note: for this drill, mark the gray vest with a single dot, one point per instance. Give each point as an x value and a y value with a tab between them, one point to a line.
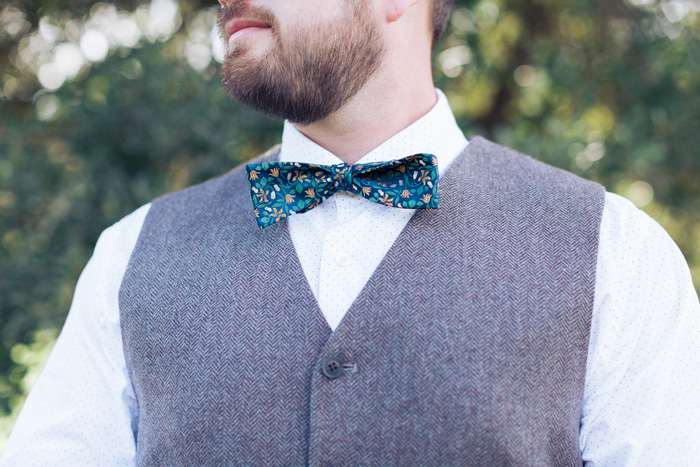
467	346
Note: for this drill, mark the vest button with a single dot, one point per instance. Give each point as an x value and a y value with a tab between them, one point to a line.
332	368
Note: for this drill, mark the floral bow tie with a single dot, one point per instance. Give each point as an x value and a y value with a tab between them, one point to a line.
280	189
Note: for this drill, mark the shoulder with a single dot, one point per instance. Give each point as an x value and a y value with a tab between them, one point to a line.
504	161
632	237
116	242
515	176
634	249
123	233
505	178
642	362
643	283
224	197
218	189
622	219
220	197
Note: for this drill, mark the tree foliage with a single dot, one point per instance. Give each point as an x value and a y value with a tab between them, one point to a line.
606	89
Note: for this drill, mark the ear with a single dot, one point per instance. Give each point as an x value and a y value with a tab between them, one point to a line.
395	9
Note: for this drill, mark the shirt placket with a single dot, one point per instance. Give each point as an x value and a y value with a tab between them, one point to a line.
339	281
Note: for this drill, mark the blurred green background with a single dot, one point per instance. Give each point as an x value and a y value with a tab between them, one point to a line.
104	106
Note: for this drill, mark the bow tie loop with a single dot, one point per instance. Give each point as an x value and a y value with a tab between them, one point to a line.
280	189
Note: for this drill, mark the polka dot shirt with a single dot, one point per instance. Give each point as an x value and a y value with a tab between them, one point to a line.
642	380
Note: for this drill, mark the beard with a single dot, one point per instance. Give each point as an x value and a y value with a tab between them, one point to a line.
307	77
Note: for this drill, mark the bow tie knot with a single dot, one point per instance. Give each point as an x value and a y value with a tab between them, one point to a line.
280	189
342	175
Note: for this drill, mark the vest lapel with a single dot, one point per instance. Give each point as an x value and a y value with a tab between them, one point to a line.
410	238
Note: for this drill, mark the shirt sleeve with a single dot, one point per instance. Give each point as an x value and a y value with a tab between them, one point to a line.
641	403
82	409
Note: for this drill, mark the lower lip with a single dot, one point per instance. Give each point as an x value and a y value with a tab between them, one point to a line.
245	32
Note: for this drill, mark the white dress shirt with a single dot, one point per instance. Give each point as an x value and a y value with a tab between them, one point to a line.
642	377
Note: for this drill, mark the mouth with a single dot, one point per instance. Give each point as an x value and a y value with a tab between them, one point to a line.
239	28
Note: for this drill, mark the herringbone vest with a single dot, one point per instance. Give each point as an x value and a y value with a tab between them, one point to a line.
467	346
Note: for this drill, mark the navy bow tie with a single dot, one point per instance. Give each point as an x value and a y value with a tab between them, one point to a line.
280	189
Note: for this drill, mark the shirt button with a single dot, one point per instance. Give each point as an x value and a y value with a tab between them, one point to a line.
332	368
343	260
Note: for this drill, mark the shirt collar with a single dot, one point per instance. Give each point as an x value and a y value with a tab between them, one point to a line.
435	133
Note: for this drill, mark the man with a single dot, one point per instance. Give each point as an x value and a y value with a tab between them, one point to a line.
531	319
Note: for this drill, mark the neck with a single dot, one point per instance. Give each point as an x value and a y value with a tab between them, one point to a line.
390	101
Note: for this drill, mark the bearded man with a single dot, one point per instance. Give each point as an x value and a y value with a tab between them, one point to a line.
511	314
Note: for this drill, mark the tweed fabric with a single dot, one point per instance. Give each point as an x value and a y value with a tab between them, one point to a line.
467	346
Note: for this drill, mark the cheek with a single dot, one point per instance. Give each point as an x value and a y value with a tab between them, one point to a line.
295	15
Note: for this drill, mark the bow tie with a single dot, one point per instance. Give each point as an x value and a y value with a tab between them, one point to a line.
280	189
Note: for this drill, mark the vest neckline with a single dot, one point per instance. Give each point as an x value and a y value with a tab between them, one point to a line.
447	181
